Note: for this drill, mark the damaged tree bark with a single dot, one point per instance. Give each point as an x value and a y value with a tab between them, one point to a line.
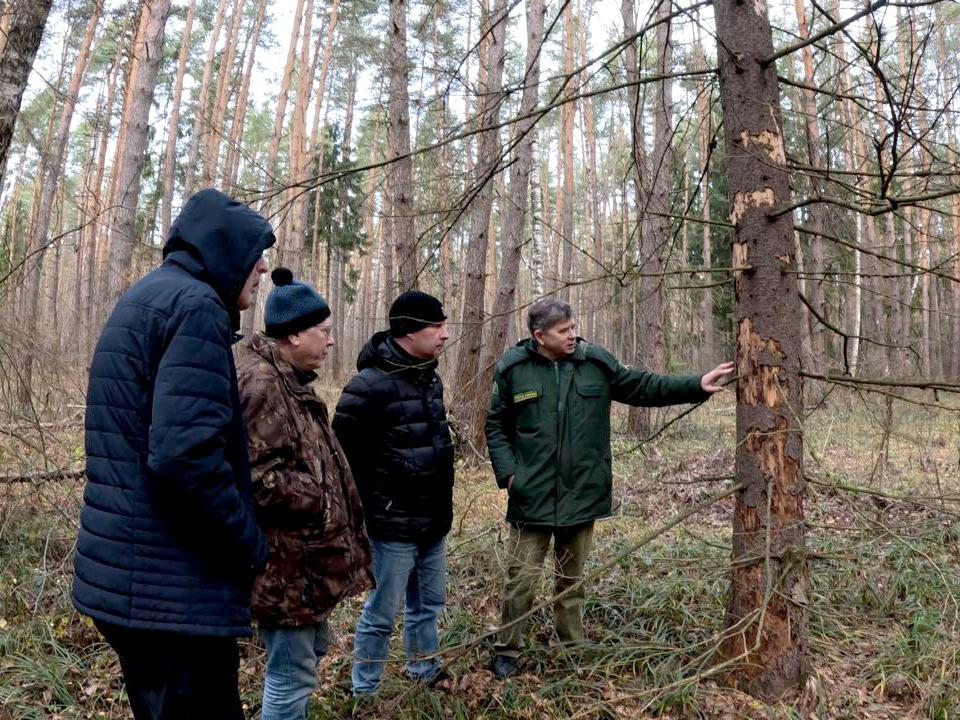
766	616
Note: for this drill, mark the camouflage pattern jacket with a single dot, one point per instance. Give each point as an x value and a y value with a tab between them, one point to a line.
307	502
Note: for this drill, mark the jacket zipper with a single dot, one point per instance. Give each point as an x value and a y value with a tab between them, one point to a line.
556	492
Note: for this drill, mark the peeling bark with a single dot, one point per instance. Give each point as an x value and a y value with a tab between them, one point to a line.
766	615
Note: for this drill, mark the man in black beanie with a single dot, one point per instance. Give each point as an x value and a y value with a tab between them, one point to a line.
393	427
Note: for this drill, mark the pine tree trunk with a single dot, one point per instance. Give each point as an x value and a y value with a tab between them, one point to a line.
320	246
225	83
708	352
338	284
85	241
322	76
141	82
593	204
536	232
201	113
924	226
290	239
568	243
24	32
468	54
951	359
54	294
515	216
556	222
94	295
818	349
51	167
273	182
400	170
766	614
856	158
654	206
318	131
469	390
908	217
638	423
387	277
444	250
170	152
232	160
907	283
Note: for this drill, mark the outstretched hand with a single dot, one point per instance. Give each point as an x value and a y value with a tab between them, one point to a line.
710	379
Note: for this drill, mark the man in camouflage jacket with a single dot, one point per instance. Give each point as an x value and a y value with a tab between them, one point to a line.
307	502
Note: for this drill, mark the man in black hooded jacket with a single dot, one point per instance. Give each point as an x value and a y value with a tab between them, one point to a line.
393	428
168	546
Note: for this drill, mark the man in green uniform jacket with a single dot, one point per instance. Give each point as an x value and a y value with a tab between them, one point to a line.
548	435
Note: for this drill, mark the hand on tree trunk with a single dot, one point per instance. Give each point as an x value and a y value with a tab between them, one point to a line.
709	380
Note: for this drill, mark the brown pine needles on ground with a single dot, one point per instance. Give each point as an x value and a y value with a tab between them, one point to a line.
885	585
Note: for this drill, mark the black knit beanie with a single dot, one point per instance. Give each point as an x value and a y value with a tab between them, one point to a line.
414	310
292	306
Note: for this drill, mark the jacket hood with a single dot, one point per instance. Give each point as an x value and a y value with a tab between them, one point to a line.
383	352
218	240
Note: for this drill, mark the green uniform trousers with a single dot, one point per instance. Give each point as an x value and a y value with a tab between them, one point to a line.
526	549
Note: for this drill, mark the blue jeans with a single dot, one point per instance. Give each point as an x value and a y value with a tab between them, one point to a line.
292	654
415	577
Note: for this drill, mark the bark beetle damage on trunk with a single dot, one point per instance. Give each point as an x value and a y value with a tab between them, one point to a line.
763	381
766	615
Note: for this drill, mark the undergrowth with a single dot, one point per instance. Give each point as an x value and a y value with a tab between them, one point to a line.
884	558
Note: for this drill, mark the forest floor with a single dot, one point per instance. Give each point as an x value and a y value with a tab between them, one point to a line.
884	541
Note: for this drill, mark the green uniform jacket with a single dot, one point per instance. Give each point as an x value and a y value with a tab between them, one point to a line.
549	426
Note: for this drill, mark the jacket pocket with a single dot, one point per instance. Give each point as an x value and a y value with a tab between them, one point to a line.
590	407
527	403
517	487
590	389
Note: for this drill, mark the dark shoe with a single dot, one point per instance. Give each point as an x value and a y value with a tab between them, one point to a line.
503	666
438	677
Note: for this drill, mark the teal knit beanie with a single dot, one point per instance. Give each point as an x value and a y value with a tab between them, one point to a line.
292	306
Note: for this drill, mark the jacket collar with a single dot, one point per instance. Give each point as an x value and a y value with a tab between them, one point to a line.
266	348
383	352
578	356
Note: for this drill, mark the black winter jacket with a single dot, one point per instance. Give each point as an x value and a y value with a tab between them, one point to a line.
168	539
393	427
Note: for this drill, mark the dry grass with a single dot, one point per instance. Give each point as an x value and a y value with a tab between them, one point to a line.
885	581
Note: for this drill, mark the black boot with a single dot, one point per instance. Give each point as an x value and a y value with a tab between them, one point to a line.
503	666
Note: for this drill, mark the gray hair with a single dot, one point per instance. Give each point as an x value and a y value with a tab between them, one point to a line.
546	313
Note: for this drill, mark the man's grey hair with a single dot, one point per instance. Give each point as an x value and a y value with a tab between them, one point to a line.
546	313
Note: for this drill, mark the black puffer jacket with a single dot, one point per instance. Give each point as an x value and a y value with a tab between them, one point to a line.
168	539
392	425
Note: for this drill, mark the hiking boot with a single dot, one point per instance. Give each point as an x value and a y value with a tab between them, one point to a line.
503	666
